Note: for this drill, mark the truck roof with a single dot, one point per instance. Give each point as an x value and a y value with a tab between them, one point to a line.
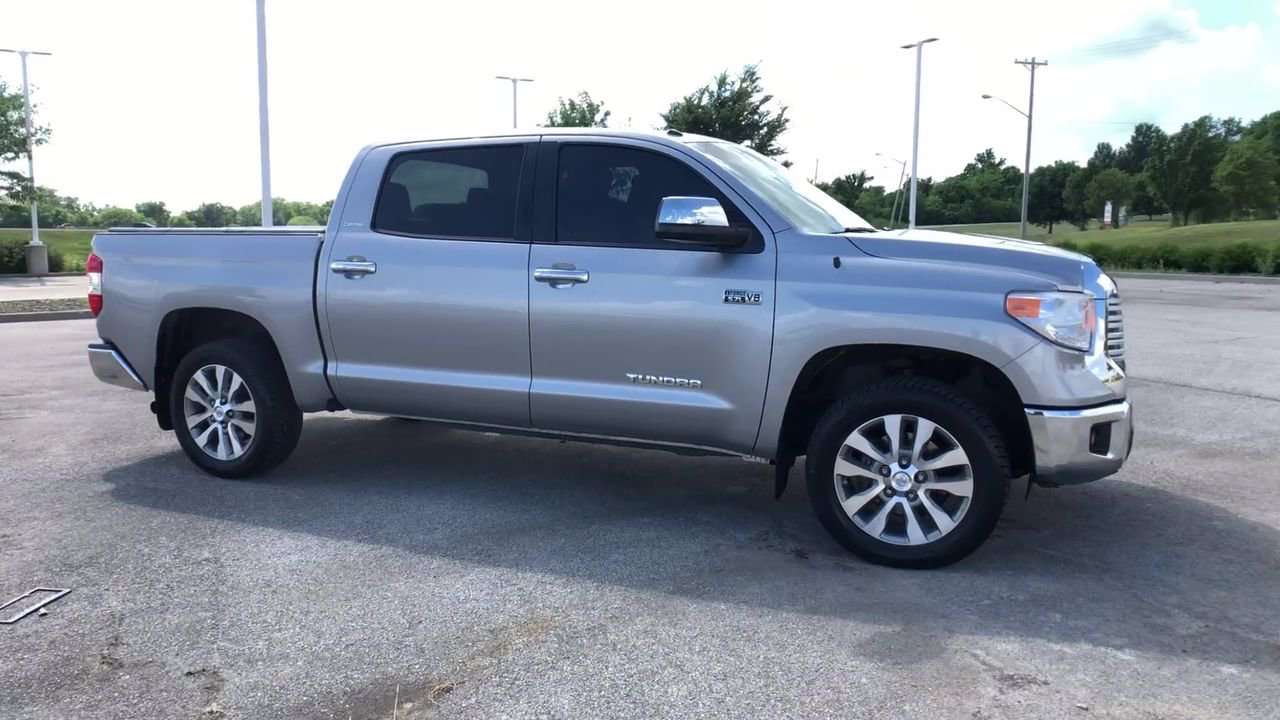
669	137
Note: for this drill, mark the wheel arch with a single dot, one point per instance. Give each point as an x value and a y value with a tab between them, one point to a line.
184	329
838	370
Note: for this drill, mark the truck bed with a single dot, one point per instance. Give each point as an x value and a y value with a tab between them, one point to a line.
265	274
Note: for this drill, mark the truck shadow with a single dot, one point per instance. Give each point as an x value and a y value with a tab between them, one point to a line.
1115	565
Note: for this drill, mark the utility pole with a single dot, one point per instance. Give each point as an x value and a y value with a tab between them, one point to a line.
915	132
37	253
515	83
897	193
264	126
1031	65
815	170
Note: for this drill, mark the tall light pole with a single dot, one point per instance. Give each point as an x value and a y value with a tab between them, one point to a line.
264	126
1031	65
515	83
897	194
915	132
42	267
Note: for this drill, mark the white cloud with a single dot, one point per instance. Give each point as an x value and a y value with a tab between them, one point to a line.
159	100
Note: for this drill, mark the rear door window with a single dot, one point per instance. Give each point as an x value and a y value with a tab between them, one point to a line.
465	192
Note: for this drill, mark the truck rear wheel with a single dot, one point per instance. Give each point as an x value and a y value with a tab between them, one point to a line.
908	472
233	410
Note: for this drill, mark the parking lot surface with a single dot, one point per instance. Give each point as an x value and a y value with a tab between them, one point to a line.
477	576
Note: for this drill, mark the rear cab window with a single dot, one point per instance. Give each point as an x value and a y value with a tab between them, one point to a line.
460	192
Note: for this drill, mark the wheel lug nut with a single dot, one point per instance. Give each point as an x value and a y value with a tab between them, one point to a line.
904	461
911	496
884	470
888	492
920	477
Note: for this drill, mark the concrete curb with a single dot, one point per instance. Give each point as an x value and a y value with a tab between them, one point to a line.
1200	277
46	315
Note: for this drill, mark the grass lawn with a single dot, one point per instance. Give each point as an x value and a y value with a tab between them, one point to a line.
1139	232
73	244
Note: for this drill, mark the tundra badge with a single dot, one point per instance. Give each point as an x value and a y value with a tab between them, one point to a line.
664	380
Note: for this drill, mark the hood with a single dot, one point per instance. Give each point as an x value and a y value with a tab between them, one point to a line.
1063	267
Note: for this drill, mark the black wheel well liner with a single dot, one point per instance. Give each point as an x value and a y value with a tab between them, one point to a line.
185	329
837	371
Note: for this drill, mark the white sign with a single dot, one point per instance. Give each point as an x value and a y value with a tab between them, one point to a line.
1106	215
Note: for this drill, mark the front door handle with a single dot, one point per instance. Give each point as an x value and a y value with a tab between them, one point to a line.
353	267
561	277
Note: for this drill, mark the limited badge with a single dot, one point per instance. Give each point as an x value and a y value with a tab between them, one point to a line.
742	297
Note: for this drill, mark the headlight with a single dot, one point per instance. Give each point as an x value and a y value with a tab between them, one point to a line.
1065	318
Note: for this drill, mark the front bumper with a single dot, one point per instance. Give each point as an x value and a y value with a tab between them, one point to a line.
111	367
1079	446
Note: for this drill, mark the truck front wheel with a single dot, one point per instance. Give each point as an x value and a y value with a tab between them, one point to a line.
233	410
908	472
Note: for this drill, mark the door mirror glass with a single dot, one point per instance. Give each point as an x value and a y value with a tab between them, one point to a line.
697	220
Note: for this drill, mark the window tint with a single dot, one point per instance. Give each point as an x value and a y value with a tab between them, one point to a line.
609	195
458	192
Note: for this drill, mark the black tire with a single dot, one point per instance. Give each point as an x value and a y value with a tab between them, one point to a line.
277	421
957	414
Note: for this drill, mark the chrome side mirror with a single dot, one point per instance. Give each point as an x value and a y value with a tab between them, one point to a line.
697	221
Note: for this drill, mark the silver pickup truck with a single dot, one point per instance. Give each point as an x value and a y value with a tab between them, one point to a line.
660	289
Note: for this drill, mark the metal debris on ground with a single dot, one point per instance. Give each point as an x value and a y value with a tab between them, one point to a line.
54	594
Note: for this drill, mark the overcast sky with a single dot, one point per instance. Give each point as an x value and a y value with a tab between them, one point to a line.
158	99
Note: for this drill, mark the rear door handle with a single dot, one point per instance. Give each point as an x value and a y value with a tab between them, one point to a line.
353	267
561	277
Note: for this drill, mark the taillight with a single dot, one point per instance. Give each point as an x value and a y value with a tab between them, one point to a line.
93	268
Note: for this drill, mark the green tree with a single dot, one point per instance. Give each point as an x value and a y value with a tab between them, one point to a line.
302	220
1111	184
733	109
182	221
154	211
1246	177
1145	201
13	142
1104	157
1046	203
1182	172
847	188
1147	139
579	112
1073	197
111	216
211	215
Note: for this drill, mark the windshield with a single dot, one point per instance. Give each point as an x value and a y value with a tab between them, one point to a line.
805	206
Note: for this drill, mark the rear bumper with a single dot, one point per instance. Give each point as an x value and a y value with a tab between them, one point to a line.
111	367
1079	446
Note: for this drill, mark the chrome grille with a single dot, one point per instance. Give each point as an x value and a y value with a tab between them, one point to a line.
1115	330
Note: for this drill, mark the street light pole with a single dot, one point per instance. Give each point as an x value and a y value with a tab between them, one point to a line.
31	141
515	82
264	126
915	132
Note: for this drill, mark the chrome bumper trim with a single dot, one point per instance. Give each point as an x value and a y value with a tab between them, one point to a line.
1067	442
111	367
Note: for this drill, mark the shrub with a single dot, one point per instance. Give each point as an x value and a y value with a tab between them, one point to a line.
1069	245
1196	258
1166	256
302	220
57	261
1134	257
1266	259
1230	258
13	256
1100	252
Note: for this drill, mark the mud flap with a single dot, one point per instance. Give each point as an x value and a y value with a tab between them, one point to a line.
781	473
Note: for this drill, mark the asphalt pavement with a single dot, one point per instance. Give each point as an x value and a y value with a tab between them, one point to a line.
477	576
